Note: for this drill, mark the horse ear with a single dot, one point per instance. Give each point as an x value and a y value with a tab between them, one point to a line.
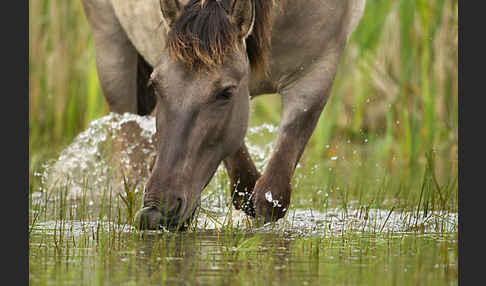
243	14
170	12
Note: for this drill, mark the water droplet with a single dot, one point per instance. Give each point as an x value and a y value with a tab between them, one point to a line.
268	196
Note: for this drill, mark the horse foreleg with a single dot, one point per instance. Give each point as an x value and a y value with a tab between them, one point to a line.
243	176
117	63
302	103
116	57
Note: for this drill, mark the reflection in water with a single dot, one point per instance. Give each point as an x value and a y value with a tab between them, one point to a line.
241	257
207	257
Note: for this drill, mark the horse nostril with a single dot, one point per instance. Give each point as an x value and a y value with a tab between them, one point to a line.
148	218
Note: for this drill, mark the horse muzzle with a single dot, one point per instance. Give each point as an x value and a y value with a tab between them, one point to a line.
154	218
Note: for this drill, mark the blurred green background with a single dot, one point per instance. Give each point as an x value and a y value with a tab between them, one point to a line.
397	85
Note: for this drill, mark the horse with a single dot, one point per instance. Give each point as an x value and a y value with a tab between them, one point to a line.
195	65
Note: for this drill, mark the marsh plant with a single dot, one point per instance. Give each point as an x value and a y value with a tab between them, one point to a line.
375	196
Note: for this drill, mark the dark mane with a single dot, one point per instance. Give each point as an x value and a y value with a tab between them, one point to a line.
203	35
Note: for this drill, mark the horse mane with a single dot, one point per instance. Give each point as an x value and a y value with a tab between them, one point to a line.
203	35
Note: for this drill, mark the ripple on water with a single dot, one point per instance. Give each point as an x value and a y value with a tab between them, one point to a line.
297	222
337	221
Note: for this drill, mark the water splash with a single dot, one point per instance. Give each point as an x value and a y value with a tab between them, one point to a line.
86	167
308	222
86	164
117	145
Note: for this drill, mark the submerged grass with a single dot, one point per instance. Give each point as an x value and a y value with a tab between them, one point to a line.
102	253
84	241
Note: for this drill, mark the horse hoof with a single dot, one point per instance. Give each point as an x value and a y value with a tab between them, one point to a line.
270	200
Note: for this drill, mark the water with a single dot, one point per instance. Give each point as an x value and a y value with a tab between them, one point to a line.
79	235
213	258
87	165
85	170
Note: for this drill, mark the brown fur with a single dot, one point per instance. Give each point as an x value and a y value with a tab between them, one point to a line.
203	35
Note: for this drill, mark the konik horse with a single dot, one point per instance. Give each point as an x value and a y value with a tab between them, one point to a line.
196	64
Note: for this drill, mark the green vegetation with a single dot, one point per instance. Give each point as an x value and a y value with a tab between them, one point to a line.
397	83
387	140
88	243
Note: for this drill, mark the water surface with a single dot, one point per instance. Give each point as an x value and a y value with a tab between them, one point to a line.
79	232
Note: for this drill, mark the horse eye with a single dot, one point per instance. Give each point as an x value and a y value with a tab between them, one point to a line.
225	94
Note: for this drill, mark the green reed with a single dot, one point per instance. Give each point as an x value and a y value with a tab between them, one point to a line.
64	92
397	80
107	253
392	120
